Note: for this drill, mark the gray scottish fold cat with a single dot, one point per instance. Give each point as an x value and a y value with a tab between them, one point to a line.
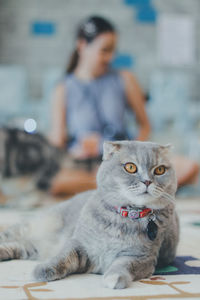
123	229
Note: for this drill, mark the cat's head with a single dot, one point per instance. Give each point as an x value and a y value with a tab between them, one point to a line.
137	173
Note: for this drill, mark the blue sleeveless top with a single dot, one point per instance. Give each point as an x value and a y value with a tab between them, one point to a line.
95	106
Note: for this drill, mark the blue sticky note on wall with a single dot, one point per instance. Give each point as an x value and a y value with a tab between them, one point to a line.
123	61
146	14
43	28
145	10
136	2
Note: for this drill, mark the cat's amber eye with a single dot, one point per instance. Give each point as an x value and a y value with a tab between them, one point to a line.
160	170
130	167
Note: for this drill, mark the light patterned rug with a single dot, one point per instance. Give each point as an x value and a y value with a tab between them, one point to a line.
178	281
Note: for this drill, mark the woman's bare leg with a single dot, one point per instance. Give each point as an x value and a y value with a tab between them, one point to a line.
70	181
187	170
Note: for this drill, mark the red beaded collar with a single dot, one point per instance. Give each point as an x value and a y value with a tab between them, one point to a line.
130	212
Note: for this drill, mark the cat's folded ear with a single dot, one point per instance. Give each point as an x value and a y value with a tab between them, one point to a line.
168	147
109	148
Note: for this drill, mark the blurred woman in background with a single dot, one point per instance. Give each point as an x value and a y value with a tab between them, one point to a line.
89	106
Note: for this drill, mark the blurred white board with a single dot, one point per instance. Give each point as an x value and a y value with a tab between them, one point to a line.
176	40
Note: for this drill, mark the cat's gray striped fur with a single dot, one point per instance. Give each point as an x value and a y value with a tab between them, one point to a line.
85	235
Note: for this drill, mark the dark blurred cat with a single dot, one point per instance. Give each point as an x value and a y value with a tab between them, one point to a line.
123	229
22	153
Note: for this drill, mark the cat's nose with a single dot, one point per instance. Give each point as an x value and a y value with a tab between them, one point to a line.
147	182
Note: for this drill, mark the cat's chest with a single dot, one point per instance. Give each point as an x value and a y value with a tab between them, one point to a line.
101	230
115	233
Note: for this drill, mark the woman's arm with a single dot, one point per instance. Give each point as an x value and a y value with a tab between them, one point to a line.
136	101
58	134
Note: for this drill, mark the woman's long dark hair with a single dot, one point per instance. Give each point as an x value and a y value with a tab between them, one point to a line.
88	31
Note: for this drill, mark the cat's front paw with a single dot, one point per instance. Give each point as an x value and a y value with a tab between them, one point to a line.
116	281
45	272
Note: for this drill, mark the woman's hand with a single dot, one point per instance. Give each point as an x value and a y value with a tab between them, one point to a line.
88	147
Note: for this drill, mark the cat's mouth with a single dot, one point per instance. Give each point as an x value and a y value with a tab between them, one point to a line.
146	191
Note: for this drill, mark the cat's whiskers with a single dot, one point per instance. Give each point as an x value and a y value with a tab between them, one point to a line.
133	187
159	192
124	190
135	190
169	197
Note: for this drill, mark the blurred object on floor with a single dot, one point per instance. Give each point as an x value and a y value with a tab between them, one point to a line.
25	153
21	193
